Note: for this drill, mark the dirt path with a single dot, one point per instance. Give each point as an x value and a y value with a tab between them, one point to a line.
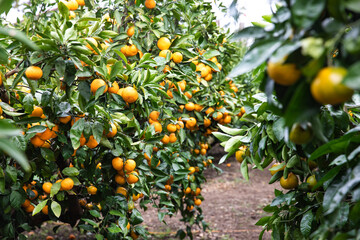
231	207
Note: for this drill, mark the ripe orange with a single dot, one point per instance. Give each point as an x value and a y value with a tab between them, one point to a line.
289	183
154	115
122	191
192	170
171	128
129	165
166	69
92	190
203	151
207	122
46	135
130	95
218	116
96	84
208	77
130	32
33	73
190	208
29	209
82	140
239	155
45	210
72	5
165	139
131	50
187	190
190	106
163	43
65	120
172	138
197	202
26	203
327	87
132	178
114	88
227	119
81	2
209	111
92	143
285	74
36	141
177	57
37	112
188	95
47	187
120	179
112	131
163	54
157	126
117	163
150	4
167	187
169	93
67	184
197	191
191	122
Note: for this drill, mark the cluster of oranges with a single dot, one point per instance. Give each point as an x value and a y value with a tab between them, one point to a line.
43	139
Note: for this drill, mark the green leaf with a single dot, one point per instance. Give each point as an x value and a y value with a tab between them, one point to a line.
18	36
231	131
258	54
64	11
48	154
116	69
55	188
75	133
221	136
39	207
306	12
10	149
16	199
5	5
211	53
56	209
70	171
254	32
244	170
352	79
305	224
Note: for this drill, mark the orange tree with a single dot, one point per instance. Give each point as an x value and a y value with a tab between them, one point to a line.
116	105
305	119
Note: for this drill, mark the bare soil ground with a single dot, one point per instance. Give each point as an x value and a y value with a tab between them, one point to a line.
231	207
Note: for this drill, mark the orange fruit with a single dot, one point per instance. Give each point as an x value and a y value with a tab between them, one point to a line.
113	131
172	138
203	151
91	190
191	122
163	43
190	106
165	139
26	203
227	119
169	93
187	190
177	57
131	51
81	2
129	165
122	191
33	73
65	120
290	183
208	77
192	170
92	143
166	69
327	87
157	126
29	209
197	151
171	128
96	84
130	32
272	172
45	210
82	140
197	191
114	88
37	112
285	74
190	208
117	163
36	141
187	94
209	111
239	155
217	116
163	53
47	187
120	179
67	184
130	95
93	41
167	187
150	4
154	115
207	122
132	177
72	5
46	135
197	202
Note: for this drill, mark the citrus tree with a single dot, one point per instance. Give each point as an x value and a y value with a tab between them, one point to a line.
305	118
116	101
